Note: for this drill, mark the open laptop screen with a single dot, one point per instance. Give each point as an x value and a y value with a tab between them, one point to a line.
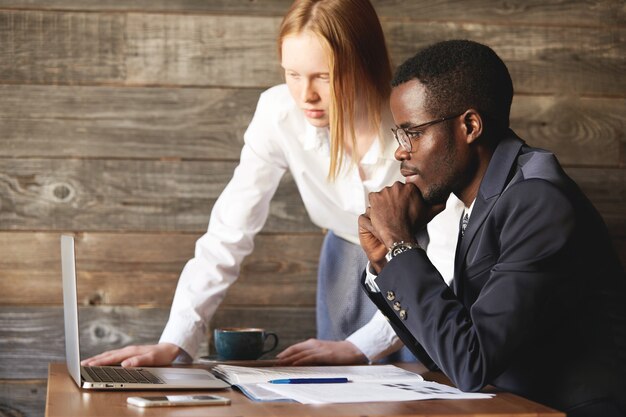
70	308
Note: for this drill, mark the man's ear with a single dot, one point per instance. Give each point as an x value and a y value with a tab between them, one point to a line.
473	125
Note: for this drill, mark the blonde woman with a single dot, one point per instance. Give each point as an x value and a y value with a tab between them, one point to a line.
329	126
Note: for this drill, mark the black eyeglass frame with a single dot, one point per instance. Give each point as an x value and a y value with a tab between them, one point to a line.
405	142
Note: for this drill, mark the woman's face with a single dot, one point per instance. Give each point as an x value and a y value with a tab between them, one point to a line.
307	76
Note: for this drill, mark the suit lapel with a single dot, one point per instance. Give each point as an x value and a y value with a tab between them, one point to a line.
491	187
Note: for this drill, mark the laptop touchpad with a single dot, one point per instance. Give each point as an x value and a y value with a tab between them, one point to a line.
196	376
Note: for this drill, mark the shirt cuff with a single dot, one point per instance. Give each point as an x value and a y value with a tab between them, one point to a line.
370	278
184	335
376	339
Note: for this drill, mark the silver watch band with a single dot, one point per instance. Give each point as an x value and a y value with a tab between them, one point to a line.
399	247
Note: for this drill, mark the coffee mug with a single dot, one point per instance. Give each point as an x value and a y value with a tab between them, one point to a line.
235	343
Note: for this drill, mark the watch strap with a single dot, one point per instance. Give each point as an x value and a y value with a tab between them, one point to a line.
399	247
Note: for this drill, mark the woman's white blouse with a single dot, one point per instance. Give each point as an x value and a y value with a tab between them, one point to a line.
278	139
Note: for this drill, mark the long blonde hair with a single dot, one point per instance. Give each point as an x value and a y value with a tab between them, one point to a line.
358	59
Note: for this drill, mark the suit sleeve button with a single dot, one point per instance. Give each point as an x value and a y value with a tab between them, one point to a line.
391	295
402	314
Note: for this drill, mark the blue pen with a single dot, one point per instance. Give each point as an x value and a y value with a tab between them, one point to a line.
310	381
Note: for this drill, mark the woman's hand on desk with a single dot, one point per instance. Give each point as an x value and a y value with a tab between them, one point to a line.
321	352
146	355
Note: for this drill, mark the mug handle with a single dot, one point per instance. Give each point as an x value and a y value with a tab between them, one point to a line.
273	346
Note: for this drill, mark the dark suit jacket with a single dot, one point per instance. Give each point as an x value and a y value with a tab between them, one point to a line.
538	300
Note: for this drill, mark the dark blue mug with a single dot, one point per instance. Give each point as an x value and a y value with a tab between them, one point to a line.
235	343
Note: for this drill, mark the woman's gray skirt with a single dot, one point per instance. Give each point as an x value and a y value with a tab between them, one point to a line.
342	305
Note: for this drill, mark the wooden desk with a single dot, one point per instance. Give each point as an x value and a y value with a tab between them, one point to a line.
65	399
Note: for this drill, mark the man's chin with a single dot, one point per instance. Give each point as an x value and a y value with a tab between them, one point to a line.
436	197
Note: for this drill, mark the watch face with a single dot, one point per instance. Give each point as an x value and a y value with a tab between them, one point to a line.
398	250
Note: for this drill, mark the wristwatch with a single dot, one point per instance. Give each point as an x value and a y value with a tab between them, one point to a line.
398	247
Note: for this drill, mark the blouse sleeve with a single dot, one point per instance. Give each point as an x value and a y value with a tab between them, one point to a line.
237	216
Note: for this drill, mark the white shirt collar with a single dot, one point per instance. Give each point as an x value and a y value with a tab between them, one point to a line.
468	210
316	138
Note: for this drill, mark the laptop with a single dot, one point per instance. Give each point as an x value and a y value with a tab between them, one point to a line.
116	377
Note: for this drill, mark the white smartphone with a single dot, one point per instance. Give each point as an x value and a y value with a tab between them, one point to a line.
176	400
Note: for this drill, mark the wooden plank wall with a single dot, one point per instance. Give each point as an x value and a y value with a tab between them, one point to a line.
121	122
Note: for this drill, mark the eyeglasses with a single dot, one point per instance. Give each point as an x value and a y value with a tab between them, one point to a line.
404	134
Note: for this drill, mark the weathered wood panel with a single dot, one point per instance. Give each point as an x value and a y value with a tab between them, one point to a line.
127	195
138	269
577	12
33	336
113	195
143	269
62	48
192	50
141	123
208	124
24	398
580	131
183	49
552	12
541	59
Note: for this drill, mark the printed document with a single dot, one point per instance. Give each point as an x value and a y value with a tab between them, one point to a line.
360	392
249	380
367	383
373	373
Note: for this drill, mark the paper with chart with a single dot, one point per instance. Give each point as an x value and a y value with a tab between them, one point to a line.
249	379
368	383
363	373
358	392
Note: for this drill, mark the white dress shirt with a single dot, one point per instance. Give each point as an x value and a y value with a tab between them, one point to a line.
278	138
442	229
440	246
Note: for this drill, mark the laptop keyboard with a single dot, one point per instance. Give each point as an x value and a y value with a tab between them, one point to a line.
113	374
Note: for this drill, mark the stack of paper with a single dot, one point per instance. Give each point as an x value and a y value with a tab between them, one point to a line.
367	383
358	392
251	380
373	373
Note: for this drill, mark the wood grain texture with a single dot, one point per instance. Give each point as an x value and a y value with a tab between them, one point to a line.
61	48
127	195
112	195
551	12
580	131
204	50
208	124
130	123
33	336
556	12
24	398
143	269
541	59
